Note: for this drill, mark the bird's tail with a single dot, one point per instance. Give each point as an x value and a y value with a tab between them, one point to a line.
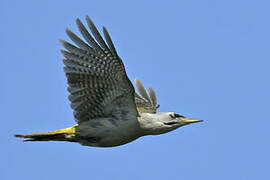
67	134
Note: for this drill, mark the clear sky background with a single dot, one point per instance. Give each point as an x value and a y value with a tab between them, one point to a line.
205	59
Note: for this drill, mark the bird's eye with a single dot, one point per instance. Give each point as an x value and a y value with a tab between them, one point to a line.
176	115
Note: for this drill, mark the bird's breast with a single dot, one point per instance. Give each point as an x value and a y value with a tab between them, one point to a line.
107	132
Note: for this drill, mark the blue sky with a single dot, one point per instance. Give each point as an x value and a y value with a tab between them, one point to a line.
205	59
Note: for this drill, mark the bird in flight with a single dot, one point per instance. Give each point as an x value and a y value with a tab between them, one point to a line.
106	107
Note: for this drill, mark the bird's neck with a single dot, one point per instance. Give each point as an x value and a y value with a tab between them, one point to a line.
149	124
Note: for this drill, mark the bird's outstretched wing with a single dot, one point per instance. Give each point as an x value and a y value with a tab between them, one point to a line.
145	102
97	81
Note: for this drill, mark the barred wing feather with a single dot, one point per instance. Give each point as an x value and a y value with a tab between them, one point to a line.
97	80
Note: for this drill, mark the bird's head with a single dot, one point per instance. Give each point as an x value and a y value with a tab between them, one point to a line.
173	120
164	122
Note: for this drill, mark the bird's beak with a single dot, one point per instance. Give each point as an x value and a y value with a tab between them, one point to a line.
188	121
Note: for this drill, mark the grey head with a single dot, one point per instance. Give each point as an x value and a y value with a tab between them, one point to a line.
163	122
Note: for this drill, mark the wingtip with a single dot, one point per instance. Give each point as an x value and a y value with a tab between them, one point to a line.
138	83
62	41
68	31
88	18
137	80
63	51
79	22
104	29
